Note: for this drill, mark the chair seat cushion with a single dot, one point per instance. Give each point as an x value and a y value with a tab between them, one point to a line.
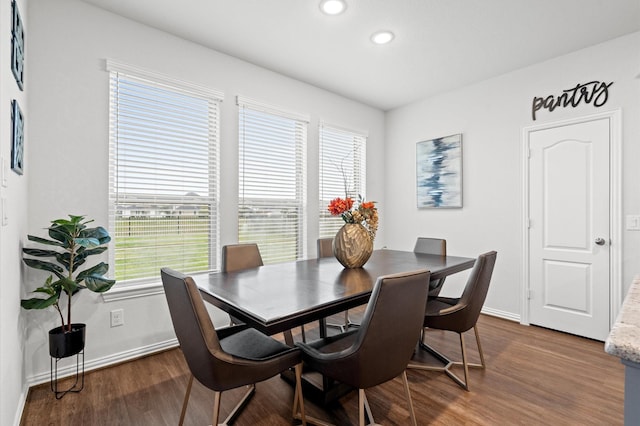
253	345
434	306
335	343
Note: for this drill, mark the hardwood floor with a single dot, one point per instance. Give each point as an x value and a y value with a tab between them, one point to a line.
534	376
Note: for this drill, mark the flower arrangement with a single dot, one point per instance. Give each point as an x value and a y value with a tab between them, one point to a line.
365	213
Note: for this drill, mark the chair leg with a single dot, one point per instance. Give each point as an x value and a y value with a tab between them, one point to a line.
251	389
216	407
475	329
298	397
186	400
361	399
449	363
409	400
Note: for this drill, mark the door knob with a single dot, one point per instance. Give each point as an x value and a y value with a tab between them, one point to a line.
600	241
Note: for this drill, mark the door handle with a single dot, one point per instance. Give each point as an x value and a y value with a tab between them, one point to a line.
600	241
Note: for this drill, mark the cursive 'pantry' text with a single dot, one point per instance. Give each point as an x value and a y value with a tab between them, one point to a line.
593	91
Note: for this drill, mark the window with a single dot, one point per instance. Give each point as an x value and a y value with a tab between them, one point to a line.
342	172
163	174
271	205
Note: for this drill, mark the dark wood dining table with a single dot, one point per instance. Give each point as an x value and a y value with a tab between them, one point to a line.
279	297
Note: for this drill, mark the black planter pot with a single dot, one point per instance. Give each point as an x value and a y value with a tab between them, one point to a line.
62	345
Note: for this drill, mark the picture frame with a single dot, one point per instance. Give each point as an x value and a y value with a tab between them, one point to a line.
439	172
17	46
17	147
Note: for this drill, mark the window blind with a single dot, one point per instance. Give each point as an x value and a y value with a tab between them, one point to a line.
272	168
342	172
163	175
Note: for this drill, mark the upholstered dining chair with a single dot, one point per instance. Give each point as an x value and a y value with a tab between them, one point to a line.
325	249
237	257
227	358
376	352
460	315
432	246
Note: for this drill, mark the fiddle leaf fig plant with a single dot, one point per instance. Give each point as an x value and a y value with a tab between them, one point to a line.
73	242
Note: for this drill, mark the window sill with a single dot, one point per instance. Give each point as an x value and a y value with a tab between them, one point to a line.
132	291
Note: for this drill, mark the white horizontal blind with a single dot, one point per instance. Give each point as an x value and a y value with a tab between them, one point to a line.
271	205
342	172
163	177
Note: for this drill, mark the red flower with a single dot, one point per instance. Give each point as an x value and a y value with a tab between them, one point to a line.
338	206
367	204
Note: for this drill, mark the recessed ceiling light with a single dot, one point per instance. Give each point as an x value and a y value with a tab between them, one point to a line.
333	7
382	37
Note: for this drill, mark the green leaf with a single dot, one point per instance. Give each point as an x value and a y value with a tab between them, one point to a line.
98	284
87	242
99	233
93	251
97	270
44	241
40	252
69	286
59	233
45	266
37	303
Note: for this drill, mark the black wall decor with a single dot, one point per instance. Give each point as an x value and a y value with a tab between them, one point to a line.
595	92
17	46
17	148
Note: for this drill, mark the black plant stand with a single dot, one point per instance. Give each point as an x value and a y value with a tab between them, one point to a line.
79	376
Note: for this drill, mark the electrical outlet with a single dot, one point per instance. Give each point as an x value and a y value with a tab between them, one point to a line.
117	317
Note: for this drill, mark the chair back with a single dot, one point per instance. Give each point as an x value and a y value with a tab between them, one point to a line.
236	257
192	324
475	292
431	246
325	247
389	330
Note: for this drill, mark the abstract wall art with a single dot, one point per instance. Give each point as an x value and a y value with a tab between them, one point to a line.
17	146
439	172
17	46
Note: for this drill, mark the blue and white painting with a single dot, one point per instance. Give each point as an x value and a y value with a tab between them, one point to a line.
439	172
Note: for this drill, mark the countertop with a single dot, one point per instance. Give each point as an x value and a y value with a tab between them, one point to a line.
624	338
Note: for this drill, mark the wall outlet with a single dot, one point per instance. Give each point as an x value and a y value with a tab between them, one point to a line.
117	317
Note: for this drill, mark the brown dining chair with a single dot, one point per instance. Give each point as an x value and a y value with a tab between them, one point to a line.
460	315
227	358
325	249
432	246
237	257
376	352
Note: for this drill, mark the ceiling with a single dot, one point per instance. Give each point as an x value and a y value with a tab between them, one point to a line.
440	45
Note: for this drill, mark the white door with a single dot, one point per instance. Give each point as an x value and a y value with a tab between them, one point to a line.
569	239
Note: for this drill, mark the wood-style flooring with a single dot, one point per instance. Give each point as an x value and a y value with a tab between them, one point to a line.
534	376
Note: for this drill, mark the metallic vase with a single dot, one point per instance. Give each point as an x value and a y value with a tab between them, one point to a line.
352	245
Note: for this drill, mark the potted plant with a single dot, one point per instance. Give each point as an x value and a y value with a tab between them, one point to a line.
72	243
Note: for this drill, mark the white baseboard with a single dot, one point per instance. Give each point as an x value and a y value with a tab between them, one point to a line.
501	314
20	408
104	361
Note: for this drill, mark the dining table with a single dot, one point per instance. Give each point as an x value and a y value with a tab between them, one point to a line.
279	297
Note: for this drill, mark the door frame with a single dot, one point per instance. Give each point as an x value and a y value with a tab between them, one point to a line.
615	208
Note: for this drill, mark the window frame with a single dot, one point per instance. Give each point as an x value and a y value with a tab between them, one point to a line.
152	285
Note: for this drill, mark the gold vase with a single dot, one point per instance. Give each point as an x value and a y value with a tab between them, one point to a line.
352	245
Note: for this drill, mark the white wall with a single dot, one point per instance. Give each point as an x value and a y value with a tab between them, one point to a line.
491	116
68	142
12	375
